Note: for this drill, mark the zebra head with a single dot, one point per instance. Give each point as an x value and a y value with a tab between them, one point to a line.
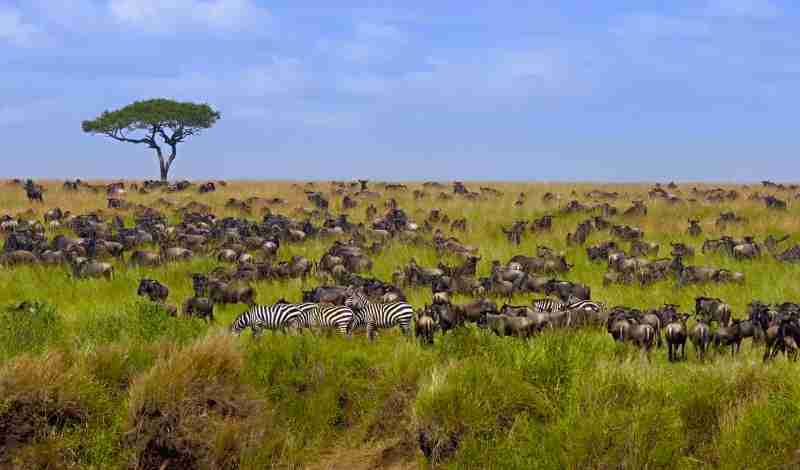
236	328
354	299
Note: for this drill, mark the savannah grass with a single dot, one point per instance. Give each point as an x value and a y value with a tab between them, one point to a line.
93	377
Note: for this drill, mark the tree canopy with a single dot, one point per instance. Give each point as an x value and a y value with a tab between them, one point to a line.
151	121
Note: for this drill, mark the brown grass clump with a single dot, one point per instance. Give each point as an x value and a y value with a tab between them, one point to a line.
192	410
41	398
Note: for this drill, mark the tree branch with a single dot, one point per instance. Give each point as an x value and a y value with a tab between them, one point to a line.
117	134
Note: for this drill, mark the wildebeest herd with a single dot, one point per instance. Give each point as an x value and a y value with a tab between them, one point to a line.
356	223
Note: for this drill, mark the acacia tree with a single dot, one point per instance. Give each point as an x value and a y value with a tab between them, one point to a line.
151	121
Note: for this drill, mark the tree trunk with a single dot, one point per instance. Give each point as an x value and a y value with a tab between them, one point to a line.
165	167
164	172
161	164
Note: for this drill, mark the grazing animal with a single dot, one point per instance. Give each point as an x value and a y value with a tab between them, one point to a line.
325	316
279	316
700	335
643	335
84	268
154	290
694	228
713	310
202	307
224	293
675	333
34	192
376	315
425	329
729	335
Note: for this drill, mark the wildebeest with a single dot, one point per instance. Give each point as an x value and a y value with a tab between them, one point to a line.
85	268
729	335
712	310
700	335
694	228
153	289
201	307
33	191
425	328
675	334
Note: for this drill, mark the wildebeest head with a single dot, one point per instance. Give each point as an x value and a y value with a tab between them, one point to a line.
145	285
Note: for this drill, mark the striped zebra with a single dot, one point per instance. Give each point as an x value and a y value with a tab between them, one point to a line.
326	316
549	305
270	317
592	305
376	316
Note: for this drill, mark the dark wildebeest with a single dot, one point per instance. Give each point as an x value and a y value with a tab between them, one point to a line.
694	228
201	307
153	289
425	328
675	333
33	191
713	310
729	335
701	337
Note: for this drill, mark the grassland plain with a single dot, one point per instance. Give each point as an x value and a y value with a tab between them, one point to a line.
97	379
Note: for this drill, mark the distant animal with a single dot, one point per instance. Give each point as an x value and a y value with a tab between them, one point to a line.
700	335
201	307
425	328
376	316
325	316
153	290
266	317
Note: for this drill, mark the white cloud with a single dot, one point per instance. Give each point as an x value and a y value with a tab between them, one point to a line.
488	74
756	9
281	78
14	29
170	15
305	117
369	42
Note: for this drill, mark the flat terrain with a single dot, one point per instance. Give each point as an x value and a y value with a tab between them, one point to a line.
97	377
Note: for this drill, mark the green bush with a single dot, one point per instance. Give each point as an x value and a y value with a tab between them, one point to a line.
469	404
193	409
49	412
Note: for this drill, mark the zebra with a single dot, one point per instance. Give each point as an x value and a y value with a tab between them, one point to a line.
271	317
578	304
377	316
549	305
325	316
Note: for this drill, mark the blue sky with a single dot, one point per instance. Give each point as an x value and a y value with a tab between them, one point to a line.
523	90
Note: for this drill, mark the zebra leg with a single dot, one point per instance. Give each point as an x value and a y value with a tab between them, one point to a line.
371	331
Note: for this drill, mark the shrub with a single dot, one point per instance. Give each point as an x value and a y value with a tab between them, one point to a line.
467	405
193	409
43	401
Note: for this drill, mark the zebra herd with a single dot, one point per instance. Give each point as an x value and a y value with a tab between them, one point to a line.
356	313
